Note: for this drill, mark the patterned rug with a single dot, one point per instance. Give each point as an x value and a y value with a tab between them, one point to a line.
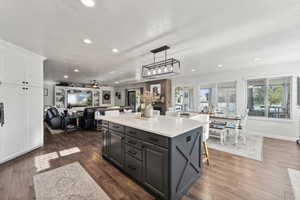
70	182
252	149
295	182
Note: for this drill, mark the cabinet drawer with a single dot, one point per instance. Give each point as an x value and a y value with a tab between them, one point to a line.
135	132
105	123
136	153
133	142
156	139
116	127
133	167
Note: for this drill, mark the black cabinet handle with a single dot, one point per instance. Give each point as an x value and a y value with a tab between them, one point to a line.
132	152
153	139
23	88
132	132
26	82
23	82
131	167
132	142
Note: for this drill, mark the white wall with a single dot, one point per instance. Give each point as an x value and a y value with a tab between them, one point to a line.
276	128
49	99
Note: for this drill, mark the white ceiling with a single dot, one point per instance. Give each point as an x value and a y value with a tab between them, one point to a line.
201	33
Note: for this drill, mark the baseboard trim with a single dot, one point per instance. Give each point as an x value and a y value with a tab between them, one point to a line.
16	155
279	137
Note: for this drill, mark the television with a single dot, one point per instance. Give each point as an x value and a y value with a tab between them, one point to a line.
78	98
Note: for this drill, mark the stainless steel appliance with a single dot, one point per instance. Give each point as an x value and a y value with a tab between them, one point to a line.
1	114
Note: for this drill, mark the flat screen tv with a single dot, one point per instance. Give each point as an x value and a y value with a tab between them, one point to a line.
78	98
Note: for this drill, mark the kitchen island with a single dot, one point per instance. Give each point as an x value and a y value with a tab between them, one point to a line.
162	154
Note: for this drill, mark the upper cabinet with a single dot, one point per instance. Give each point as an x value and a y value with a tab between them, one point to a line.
34	71
17	66
12	67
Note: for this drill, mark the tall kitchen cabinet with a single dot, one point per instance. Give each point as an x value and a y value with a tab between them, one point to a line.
21	94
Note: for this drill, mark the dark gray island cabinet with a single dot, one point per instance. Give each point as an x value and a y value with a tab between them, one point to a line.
164	166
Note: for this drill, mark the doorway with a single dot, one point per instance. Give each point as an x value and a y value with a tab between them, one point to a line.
132	100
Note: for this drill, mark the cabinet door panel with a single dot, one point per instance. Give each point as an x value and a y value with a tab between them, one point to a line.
13	133
34	71
13	69
116	148
155	169
34	101
105	143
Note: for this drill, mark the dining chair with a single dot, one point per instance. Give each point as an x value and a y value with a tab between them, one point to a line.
204	119
242	127
239	129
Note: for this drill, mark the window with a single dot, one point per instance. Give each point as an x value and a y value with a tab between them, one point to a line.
269	97
220	97
256	97
226	98
205	98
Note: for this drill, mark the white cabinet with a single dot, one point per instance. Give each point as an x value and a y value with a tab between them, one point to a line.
12	69
34	111
23	102
18	66
34	74
13	132
23	115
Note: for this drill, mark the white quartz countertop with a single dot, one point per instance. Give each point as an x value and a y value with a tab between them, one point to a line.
163	125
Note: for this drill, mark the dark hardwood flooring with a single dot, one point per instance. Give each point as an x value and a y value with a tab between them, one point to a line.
228	177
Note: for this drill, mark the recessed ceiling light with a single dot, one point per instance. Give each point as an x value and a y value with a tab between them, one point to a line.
115	50
219	65
193	70
88	41
88	3
117	82
76	70
66	76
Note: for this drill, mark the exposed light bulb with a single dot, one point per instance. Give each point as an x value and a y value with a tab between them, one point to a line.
159	71
154	72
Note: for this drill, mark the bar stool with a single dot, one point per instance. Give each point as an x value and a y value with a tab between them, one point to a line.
204	119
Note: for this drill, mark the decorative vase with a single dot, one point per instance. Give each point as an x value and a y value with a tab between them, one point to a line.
148	112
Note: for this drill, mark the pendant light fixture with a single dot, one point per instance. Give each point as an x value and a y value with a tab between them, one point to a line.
157	69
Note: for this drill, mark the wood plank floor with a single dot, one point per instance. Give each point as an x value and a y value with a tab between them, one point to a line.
228	178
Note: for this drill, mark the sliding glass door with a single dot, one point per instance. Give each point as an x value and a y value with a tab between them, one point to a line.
269	97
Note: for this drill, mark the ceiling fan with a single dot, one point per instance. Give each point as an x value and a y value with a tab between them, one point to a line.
95	83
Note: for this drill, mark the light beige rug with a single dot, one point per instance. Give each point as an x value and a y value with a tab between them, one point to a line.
295	182
70	182
252	149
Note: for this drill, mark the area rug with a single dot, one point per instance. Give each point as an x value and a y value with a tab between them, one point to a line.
252	149
53	131
70	182
295	182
